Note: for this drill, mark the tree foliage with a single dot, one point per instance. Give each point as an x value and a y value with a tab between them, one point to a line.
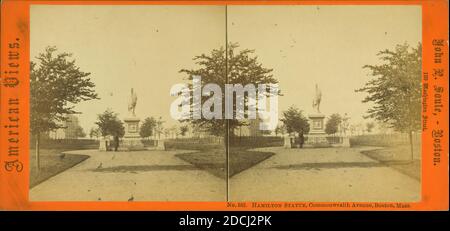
79	132
184	129
147	127
370	126
232	67
280	129
109	124
395	88
56	85
294	121
333	123
94	132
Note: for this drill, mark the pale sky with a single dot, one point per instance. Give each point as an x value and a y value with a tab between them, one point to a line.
327	45
144	47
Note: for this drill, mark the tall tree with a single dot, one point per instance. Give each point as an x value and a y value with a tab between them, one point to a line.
294	121
56	85
233	67
395	89
333	123
147	127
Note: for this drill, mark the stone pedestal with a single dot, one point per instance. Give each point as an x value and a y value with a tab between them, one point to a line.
287	142
104	144
316	136
316	124
131	140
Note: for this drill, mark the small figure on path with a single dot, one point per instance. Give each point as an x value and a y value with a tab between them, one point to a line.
301	140
116	143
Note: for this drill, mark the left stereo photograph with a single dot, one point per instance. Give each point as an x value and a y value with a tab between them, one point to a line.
100	125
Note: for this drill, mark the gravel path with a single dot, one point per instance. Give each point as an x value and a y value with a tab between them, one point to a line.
135	176
328	174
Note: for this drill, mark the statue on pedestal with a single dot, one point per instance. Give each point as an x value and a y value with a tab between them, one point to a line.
317	136
132	139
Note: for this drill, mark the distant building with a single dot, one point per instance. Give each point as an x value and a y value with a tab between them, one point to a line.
252	129
71	129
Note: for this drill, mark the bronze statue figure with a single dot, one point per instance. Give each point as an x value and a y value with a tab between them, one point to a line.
317	99
132	103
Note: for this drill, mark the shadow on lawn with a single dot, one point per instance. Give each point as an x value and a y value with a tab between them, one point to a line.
309	166
316	166
398	158
145	168
214	161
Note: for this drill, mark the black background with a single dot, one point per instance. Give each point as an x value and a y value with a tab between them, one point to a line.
280	220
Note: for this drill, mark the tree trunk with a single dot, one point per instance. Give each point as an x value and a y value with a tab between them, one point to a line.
411	145
38	163
226	139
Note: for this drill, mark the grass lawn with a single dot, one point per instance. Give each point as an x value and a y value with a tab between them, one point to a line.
399	158
52	162
214	160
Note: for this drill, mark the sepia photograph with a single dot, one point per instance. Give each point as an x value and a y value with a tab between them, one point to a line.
100	98
225	103
349	109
